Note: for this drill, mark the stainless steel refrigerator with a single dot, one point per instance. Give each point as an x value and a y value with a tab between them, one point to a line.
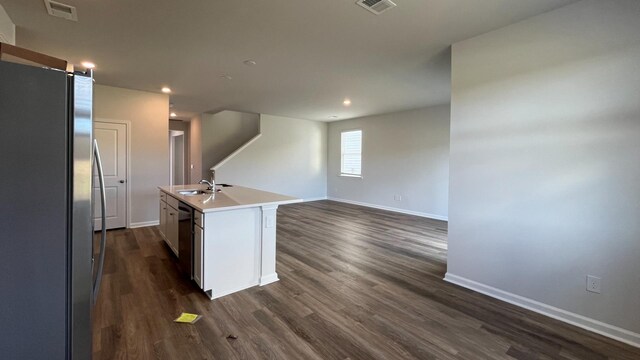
50	261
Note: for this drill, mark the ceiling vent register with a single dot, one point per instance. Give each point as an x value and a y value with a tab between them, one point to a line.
376	6
61	10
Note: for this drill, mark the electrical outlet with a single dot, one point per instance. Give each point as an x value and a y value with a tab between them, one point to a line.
594	284
397	197
270	221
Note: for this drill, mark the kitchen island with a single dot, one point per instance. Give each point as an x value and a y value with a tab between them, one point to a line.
234	234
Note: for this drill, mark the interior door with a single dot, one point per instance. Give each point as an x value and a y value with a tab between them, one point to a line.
112	139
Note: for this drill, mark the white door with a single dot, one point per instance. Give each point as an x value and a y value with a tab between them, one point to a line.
112	142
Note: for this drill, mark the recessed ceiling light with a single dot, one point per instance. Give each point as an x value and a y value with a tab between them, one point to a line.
250	62
346	102
88	64
173	114
333	117
170	105
166	90
226	77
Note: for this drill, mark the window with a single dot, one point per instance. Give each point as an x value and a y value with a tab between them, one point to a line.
351	153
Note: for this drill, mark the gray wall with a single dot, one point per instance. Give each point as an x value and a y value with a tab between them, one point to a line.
148	113
404	153
224	132
195	149
545	154
289	158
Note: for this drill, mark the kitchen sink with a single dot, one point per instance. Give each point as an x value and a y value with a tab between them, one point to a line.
193	192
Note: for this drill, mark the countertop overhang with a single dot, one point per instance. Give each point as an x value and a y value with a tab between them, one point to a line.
227	198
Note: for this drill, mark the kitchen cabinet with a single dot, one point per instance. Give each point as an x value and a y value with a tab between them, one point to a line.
163	219
198	246
234	235
169	221
172	228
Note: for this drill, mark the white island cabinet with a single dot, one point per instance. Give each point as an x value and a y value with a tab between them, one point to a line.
198	247
234	236
169	221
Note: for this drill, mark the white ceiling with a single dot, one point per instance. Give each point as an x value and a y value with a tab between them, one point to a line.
310	54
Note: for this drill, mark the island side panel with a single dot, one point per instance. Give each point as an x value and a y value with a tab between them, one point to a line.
269	221
232	250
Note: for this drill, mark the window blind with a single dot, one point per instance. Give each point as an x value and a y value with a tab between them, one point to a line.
351	153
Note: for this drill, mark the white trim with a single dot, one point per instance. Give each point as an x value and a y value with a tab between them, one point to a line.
388	208
236	152
351	175
611	331
268	279
226	292
144	224
315	199
127	123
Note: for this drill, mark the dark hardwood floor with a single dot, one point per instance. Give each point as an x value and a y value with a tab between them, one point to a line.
355	283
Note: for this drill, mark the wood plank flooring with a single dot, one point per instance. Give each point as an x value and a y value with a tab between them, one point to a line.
355	283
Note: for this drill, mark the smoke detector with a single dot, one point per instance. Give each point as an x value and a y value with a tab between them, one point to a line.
376	6
61	10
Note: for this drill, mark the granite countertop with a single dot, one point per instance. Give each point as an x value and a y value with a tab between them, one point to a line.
227	198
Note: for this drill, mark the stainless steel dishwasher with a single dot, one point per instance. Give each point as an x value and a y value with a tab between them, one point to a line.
185	239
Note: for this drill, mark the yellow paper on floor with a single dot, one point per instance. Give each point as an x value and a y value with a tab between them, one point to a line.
188	318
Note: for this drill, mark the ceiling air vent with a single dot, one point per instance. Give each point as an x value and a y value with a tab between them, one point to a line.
61	10
376	6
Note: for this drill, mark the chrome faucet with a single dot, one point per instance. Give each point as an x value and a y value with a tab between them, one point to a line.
210	186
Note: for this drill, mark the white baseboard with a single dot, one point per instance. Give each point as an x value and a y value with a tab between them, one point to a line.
268	279
388	208
315	199
611	331
228	291
144	224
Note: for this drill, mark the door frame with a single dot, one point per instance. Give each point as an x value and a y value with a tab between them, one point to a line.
172	135
127	123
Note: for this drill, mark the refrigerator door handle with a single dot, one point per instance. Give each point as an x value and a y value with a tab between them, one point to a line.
103	235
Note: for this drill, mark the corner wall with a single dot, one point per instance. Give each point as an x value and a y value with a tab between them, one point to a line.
223	133
149	114
7	28
404	153
545	174
289	158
